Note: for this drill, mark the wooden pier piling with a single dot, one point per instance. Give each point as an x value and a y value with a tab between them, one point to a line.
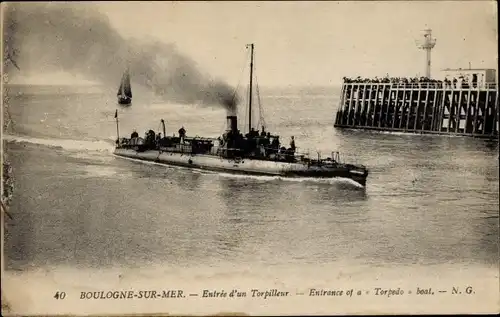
424	108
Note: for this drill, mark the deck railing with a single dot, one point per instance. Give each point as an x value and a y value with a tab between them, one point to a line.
334	155
220	151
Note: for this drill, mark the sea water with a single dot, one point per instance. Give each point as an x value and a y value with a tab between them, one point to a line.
88	219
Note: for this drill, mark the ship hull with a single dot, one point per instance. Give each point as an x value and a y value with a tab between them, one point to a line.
124	100
244	166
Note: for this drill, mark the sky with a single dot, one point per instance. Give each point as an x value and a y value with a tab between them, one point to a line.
315	43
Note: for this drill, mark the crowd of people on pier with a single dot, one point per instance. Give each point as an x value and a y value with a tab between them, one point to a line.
424	82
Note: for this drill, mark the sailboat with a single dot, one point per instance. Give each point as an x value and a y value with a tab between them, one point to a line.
125	90
232	152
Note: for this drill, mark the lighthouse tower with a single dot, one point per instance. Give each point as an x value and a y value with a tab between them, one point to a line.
427	44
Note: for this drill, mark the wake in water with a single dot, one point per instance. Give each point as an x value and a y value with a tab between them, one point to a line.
65	144
331	181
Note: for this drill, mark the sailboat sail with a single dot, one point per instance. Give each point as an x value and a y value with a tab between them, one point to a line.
125	89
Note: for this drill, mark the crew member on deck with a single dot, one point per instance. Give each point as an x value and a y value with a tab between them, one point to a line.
182	133
292	144
263	133
253	133
158	138
275	144
134	135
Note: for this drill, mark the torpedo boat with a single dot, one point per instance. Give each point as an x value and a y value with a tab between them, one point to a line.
254	153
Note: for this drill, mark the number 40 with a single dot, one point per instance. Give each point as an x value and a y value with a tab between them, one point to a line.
60	295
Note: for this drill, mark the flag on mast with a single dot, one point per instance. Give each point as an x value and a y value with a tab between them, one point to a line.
117	129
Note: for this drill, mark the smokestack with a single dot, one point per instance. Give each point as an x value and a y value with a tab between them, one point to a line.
232	120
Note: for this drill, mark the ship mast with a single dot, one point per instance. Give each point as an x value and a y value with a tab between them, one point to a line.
250	89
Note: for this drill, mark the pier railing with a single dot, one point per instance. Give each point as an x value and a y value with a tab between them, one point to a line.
426	85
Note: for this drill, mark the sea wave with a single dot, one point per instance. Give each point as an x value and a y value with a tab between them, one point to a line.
399	133
333	181
65	144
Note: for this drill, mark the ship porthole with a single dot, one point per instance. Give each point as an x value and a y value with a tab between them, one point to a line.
190	161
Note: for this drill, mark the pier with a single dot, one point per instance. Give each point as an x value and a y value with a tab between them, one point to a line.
465	102
429	107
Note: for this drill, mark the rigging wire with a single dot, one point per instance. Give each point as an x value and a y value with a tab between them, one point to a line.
246	111
241	77
262	120
235	92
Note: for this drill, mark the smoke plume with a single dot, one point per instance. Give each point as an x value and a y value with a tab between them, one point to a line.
78	39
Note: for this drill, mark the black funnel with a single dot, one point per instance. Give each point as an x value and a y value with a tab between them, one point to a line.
232	123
